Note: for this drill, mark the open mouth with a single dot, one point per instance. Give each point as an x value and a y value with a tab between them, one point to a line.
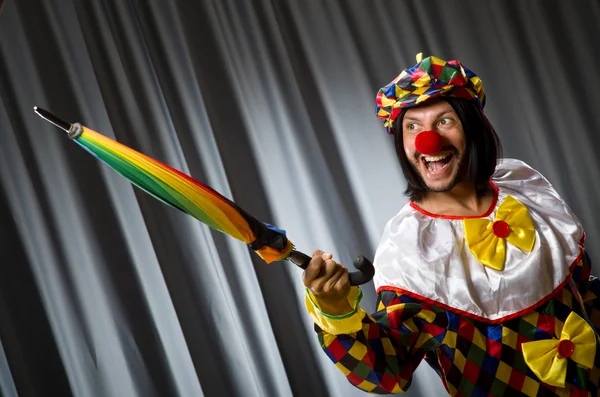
438	162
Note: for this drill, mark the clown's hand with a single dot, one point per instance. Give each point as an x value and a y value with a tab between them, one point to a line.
328	281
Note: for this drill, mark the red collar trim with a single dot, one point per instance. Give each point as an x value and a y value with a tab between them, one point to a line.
453	217
484	319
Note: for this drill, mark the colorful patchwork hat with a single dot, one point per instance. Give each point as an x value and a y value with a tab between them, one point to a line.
429	78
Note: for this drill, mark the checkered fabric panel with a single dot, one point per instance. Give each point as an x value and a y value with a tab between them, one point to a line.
589	289
472	358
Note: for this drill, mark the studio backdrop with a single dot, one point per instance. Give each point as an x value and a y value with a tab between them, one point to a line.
104	291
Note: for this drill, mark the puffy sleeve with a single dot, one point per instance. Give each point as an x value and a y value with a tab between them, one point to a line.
589	289
379	352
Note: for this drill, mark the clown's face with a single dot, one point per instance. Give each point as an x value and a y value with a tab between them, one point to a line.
442	171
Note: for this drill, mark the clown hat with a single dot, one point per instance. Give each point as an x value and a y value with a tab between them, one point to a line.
429	78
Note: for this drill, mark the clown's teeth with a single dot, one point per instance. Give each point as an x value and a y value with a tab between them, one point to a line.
436	158
428	165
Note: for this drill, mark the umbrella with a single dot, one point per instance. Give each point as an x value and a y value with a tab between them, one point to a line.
186	194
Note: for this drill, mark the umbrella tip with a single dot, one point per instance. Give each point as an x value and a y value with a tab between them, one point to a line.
39	111
46	115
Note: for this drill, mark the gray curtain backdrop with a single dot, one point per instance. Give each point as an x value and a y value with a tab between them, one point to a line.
104	291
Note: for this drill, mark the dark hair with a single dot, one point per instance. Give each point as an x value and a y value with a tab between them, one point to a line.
483	149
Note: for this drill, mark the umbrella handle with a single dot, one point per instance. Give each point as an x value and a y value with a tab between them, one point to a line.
365	267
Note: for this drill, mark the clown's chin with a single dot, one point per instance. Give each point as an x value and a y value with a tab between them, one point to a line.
440	173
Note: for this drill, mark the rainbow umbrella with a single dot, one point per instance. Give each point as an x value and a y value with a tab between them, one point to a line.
183	192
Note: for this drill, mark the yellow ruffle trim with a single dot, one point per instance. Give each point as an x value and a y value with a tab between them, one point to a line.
337	325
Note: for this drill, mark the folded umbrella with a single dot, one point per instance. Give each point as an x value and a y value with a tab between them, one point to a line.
183	192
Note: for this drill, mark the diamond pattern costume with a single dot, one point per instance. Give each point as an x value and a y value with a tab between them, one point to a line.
503	304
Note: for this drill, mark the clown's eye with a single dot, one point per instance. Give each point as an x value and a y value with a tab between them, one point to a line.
445	121
411	126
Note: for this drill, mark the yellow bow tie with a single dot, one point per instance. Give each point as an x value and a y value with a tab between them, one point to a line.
548	358
487	239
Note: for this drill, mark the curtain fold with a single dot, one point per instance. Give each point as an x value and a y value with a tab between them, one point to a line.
104	291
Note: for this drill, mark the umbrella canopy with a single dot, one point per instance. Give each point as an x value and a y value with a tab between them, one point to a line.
183	192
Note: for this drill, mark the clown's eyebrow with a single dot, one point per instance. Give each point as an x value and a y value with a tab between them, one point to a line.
437	116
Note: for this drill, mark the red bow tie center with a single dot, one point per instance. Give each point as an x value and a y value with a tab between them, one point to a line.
501	229
565	348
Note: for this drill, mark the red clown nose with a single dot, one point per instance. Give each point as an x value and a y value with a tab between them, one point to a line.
428	142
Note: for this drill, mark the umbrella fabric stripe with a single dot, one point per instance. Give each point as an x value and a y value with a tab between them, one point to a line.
269	254
155	188
148	183
196	207
188	195
141	180
195	199
131	177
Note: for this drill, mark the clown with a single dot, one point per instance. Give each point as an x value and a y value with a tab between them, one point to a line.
483	273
